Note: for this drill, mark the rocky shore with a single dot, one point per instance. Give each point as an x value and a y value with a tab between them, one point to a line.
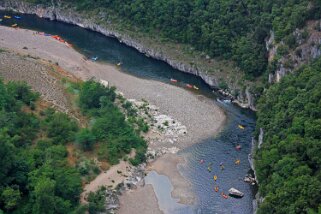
244	98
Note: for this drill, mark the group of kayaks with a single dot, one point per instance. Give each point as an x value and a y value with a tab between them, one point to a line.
9	17
215	177
56	37
187	85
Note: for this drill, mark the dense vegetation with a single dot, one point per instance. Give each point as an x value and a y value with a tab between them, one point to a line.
288	164
35	176
116	134
222	28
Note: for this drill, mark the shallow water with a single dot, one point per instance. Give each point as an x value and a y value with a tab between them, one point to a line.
215	150
163	189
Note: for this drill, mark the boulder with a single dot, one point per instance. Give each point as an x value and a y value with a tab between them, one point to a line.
235	192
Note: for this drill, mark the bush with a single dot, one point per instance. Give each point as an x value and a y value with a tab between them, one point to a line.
21	91
91	93
97	201
60	127
85	139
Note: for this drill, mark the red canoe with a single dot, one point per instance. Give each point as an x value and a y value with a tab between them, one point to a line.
216	189
189	86
173	80
224	196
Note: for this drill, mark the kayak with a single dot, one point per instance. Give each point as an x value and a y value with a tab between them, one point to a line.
196	88
215	177
94	58
68	44
216	189
241	127
174	80
56	37
237	162
17	17
189	86
202	161
14	25
119	64
238	147
224	196
7	17
209	169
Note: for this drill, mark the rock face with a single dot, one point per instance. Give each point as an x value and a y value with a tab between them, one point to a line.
308	47
67	15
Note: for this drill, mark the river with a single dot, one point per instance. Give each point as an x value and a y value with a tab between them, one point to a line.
213	151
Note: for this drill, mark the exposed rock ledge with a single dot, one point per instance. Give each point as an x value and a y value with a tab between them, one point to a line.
244	100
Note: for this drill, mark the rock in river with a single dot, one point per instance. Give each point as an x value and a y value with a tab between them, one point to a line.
235	192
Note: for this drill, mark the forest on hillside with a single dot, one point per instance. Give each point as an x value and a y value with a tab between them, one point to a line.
36	175
229	29
288	164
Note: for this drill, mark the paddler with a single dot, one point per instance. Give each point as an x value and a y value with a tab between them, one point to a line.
222	166
241	127
237	162
224	196
209	169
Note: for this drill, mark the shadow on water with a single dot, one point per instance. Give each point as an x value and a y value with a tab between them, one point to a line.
214	150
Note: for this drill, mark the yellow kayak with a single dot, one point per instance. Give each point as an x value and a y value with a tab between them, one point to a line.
15	25
241	127
215	177
7	17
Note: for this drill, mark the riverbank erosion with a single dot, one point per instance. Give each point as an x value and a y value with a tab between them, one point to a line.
200	116
215	73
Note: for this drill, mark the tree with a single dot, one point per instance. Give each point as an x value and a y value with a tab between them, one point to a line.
44	196
10	197
91	93
97	201
60	127
22	91
7	157
85	139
